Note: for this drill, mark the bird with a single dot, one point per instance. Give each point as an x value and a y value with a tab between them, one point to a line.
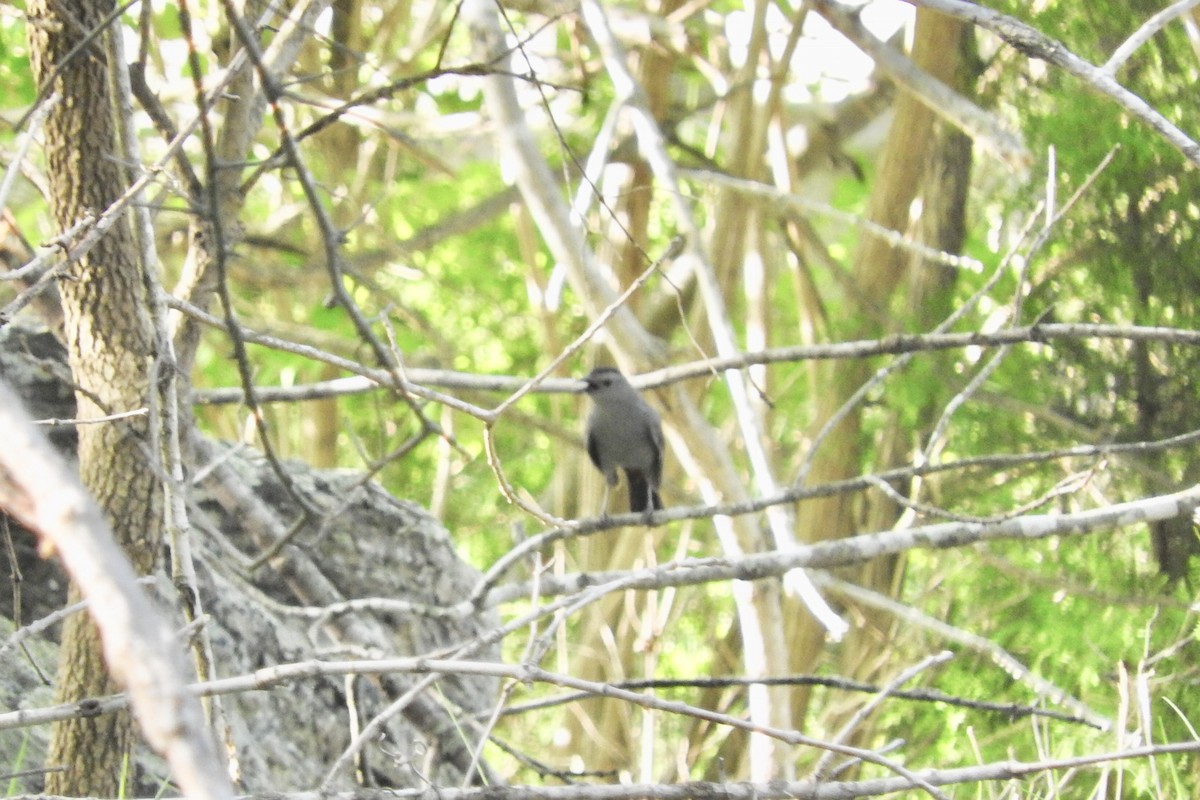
624	432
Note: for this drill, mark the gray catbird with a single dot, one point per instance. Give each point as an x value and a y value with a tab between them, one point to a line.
624	432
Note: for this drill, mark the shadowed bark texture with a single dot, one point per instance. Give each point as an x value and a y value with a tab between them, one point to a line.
371	546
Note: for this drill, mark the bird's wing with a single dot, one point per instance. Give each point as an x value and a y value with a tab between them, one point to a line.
656	467
593	449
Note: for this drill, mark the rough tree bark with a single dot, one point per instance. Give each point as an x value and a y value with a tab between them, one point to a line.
110	350
373	546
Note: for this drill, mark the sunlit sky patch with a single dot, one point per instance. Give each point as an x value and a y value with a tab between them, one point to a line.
826	67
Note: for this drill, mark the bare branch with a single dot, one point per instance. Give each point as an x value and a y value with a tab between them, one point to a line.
38	489
939	98
417	377
1147	31
833	553
1034	43
979	644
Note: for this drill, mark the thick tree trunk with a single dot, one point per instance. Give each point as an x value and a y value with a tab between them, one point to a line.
110	348
879	271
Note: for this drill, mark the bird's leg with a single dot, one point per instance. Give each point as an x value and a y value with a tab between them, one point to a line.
604	503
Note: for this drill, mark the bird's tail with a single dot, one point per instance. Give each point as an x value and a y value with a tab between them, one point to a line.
642	496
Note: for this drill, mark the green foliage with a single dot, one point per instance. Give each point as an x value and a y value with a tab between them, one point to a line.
15	75
15	765
464	291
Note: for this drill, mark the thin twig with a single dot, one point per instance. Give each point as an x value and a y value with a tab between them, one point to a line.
53	421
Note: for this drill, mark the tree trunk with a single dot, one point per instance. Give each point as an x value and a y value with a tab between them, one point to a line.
110	347
879	269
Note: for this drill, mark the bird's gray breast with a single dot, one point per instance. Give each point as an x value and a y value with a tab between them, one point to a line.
621	440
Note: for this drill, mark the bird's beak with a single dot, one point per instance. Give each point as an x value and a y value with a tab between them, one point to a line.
586	386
